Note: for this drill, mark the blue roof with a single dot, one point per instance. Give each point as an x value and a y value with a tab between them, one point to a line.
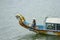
25	22
40	27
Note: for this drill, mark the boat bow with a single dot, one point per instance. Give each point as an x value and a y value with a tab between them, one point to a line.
22	21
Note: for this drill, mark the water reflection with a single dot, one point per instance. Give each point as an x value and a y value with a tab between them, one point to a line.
51	37
39	37
33	37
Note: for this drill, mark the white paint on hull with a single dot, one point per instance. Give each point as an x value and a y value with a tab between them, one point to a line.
51	33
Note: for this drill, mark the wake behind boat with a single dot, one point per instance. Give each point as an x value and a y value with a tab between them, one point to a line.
51	26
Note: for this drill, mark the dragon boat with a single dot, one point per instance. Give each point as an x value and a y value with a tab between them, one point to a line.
51	26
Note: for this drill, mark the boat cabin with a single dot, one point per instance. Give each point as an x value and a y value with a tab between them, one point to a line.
52	23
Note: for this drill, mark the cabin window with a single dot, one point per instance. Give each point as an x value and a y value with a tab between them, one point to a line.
58	26
50	26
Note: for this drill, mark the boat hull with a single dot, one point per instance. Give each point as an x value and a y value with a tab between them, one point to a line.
47	32
24	24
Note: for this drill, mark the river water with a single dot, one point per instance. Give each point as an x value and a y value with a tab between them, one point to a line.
9	26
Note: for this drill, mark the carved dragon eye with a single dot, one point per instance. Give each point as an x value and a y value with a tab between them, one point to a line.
17	16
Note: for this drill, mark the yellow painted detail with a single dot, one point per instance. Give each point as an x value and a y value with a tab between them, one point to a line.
58	33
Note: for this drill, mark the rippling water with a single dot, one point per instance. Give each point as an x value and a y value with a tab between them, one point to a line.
39	37
9	27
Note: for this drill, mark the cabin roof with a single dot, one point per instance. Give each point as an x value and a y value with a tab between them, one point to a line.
53	20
